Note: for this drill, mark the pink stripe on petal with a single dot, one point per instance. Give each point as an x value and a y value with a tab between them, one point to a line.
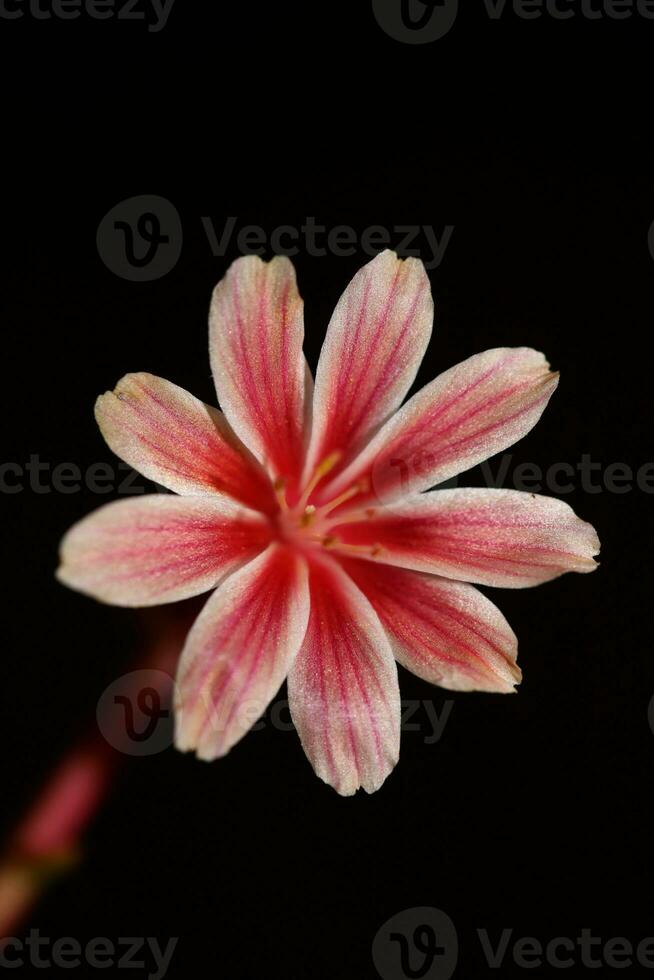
445	632
491	537
159	548
176	440
469	413
256	330
374	345
343	689
239	652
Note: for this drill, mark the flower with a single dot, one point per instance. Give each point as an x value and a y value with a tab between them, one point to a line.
308	510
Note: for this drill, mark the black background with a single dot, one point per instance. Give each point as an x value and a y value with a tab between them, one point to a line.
532	812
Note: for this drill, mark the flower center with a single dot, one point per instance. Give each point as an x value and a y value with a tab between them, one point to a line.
306	525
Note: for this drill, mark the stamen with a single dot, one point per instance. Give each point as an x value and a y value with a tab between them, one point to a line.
308	517
279	486
353	517
360	487
328	463
350	549
325	541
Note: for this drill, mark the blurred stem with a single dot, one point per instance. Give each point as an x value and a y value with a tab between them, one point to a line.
47	841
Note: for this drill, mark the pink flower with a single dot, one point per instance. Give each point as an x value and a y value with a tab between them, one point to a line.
305	509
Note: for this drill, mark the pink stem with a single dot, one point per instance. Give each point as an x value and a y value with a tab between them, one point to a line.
47	841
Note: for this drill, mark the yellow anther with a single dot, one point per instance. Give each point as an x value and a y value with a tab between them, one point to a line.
328	463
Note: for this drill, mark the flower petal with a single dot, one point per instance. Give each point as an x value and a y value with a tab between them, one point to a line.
375	342
343	690
239	651
256	329
446	632
493	537
159	548
176	440
464	416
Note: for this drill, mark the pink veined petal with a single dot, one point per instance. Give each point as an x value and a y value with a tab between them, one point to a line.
464	416
343	690
492	537
176	440
446	632
159	548
239	651
375	342
256	330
